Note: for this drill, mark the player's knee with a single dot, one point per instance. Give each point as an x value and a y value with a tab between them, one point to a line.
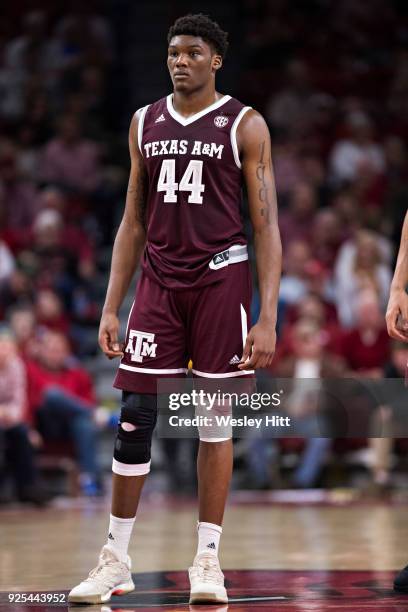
138	418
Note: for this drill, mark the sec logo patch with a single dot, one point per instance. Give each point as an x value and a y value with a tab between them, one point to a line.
221	121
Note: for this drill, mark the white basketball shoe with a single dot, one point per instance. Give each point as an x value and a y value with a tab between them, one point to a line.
109	577
207	580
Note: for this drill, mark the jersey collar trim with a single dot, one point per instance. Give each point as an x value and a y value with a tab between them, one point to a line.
187	120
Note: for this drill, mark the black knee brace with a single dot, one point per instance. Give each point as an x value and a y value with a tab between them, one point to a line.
137	421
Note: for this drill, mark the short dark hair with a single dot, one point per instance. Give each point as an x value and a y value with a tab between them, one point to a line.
201	25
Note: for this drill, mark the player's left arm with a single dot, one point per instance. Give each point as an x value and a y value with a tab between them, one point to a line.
254	143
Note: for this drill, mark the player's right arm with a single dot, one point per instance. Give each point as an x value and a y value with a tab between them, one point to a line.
398	303
127	249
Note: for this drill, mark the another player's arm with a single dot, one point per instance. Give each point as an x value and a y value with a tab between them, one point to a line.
127	249
255	146
398	302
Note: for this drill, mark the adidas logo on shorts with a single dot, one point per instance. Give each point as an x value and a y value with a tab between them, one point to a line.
234	360
161	118
212	545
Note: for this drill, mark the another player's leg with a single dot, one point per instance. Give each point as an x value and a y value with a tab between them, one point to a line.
214	471
131	464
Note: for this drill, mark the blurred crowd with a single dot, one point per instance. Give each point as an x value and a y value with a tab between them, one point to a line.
331	80
59	188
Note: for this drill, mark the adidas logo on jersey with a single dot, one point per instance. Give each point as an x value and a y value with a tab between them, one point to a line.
220	260
234	360
212	546
110	536
161	118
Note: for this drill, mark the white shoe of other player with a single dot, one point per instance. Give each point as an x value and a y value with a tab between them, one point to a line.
109	577
207	580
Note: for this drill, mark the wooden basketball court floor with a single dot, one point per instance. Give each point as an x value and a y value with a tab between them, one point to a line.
278	557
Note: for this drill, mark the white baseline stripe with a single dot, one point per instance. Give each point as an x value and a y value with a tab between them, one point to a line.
226	375
125	469
233	134
123	366
140	128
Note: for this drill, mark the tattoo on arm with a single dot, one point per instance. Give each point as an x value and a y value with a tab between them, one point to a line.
264	192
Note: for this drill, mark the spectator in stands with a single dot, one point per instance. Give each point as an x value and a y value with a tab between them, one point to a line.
83	37
7	262
323	121
72	235
319	281
70	160
287	107
32	40
359	150
309	360
293	283
49	311
314	310
32	134
364	267
27	55
314	173
296	223
36	127
345	205
56	261
20	196
365	347
327	237
18	287
62	258
286	165
24	327
17	455
382	447
62	400
90	101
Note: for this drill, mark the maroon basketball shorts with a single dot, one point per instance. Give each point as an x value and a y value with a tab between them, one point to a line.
166	329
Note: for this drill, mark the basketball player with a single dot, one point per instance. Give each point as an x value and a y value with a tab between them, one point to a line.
397	324
190	154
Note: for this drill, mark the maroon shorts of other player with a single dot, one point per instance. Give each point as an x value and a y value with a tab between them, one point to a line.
166	328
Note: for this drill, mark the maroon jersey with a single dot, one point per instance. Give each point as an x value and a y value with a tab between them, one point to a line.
194	192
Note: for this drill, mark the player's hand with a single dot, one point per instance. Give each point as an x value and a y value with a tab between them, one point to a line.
259	347
397	315
108	336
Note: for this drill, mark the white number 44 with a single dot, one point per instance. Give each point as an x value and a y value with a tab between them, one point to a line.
191	181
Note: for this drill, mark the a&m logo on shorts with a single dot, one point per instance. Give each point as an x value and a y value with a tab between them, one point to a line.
140	344
221	121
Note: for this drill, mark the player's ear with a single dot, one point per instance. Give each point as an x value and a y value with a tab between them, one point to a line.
216	62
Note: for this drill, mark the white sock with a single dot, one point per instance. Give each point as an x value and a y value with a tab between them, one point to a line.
120	530
208	538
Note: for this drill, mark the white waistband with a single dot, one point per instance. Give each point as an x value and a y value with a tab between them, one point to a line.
235	254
